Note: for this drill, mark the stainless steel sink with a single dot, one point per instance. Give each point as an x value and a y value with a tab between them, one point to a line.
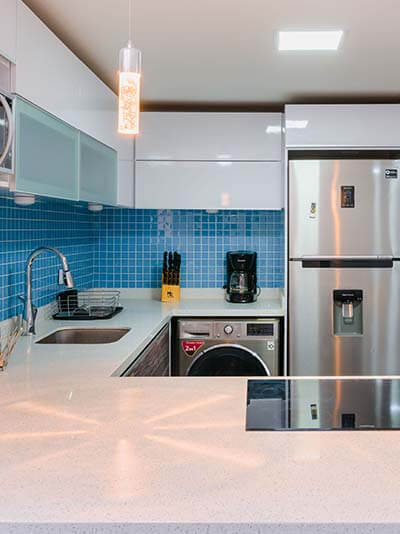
85	336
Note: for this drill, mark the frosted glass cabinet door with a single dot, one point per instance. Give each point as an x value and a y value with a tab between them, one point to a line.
46	154
98	171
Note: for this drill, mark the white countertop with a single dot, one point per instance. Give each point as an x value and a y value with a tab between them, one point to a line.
145	317
77	446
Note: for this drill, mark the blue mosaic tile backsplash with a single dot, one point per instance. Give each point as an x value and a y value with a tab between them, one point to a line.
64	225
129	245
123	248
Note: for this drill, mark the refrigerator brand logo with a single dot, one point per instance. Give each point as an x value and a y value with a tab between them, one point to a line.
347	196
391	173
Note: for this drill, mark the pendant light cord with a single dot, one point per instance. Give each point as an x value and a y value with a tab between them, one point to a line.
130	24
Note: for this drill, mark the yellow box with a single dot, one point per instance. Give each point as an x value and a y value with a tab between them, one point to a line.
170	293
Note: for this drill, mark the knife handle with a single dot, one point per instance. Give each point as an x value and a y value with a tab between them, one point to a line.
175	269
165	267
178	268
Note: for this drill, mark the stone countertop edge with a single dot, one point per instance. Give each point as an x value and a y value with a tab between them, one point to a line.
197	528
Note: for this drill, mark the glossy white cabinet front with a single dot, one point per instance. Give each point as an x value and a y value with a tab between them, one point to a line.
363	125
208	185
209	136
126	184
8	28
52	77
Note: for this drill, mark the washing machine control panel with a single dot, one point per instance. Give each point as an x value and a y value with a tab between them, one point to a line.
232	330
260	329
239	329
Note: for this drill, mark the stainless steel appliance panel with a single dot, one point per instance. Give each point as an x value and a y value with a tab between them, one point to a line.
322	220
259	339
323	404
313	347
344	404
6	134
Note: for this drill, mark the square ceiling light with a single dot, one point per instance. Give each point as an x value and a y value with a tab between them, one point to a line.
309	40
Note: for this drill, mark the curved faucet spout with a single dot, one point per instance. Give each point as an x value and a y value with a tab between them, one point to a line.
30	310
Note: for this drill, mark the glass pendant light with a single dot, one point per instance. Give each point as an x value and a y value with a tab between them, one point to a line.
130	59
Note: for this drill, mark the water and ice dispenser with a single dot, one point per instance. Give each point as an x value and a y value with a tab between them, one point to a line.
348	312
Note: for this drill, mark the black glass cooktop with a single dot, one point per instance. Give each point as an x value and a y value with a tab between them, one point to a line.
323	404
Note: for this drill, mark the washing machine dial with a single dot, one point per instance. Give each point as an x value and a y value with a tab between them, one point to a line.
228	329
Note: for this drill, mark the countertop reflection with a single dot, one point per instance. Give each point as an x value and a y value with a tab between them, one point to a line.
315	404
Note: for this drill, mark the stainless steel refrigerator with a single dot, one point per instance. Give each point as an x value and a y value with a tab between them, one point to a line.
344	265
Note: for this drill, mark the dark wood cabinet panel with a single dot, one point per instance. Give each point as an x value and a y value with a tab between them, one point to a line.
154	360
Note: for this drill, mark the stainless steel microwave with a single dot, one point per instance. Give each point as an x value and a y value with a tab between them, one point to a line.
6	134
6	117
7	73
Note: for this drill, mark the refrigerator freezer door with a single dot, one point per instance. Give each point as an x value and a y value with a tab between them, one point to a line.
327	341
344	207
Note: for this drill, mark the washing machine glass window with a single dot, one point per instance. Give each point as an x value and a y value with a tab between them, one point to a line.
228	360
227	347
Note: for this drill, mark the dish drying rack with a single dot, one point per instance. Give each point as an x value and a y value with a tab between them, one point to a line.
86	305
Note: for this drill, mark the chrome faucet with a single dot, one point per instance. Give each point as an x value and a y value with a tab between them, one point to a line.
30	311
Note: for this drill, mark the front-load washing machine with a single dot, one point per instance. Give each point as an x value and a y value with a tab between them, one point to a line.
227	347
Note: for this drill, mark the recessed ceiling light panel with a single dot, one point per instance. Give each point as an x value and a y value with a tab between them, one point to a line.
309	40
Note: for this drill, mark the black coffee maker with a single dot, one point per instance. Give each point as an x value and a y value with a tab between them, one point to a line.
241	268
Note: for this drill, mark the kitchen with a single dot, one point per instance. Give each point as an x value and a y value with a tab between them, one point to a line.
199	315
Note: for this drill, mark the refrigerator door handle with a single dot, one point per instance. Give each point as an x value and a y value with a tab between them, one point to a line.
346	262
347	258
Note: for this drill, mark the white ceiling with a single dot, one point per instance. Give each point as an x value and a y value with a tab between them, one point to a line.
223	51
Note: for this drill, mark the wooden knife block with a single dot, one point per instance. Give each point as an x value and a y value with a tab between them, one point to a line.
170	293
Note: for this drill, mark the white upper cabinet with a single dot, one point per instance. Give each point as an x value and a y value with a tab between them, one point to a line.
209	136
126	184
209	185
330	126
209	161
52	77
49	75
8	29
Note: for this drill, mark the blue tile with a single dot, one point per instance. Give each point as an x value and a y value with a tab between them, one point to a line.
124	248
202	239
64	225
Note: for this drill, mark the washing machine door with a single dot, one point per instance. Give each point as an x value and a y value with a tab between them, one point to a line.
228	360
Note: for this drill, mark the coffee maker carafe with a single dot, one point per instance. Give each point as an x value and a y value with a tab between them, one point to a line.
242	276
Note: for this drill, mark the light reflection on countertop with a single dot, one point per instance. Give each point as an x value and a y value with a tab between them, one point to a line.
78	446
176	450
